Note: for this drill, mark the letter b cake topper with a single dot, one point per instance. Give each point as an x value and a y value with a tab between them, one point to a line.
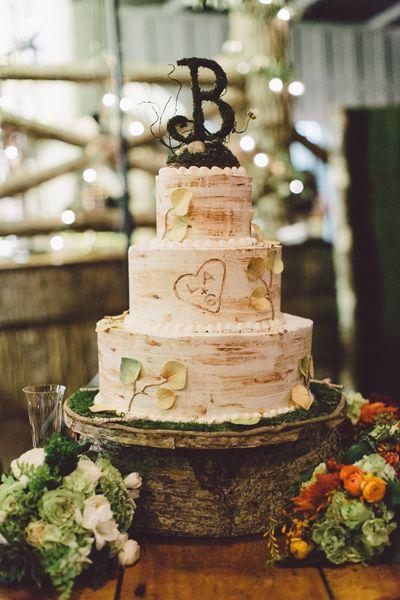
199	131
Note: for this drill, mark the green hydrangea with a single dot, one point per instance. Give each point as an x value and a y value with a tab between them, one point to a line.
376	464
113	487
377	531
63	564
355	402
331	537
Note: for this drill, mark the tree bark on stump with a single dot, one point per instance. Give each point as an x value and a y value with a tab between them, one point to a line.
234	490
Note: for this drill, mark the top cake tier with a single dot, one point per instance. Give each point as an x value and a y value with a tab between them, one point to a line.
217	203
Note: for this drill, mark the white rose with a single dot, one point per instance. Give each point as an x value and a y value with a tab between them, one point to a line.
99	518
3	540
92	471
119	543
3	515
129	554
34	458
97	509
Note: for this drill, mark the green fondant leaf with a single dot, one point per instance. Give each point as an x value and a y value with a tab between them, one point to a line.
129	370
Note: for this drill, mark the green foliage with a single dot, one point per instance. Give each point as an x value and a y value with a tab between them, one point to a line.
113	487
19	563
215	155
326	400
62	454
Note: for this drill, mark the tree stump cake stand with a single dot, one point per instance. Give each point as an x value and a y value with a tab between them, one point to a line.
217	484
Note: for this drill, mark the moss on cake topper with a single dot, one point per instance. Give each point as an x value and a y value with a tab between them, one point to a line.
196	145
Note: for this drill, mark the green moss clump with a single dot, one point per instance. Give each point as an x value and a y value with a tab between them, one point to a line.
326	400
216	154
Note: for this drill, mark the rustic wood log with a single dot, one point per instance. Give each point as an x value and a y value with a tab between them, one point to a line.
219	484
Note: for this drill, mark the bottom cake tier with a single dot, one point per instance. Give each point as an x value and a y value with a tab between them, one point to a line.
205	378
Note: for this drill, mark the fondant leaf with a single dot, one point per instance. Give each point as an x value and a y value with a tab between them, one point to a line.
180	200
243	421
104	325
306	367
302	396
175	374
178	230
277	266
101	408
165	398
255	269
259	300
258	232
129	370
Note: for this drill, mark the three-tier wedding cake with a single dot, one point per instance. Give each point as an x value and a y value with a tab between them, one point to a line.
204	339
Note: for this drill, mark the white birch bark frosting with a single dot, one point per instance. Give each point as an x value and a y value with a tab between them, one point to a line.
196	289
228	375
205	300
221	204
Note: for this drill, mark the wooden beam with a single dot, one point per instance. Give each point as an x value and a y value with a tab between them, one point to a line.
317	150
42	130
142	73
18	184
384	18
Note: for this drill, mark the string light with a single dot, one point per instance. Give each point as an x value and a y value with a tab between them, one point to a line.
109	99
296	186
136	128
243	68
276	85
232	46
261	160
247	143
284	14
68	217
11	152
57	242
125	104
296	88
89	175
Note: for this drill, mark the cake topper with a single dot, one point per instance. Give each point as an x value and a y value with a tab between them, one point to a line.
196	145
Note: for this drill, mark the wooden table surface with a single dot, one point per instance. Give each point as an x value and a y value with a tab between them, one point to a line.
180	569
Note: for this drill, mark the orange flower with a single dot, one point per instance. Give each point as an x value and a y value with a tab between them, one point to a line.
372	410
316	495
374	489
347	470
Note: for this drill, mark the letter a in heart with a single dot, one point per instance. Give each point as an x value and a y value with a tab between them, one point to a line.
204	288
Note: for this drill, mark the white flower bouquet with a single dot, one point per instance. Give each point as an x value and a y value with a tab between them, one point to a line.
62	514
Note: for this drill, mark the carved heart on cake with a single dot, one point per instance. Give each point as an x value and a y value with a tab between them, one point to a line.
204	288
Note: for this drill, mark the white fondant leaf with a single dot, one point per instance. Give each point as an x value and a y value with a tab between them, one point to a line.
129	370
175	374
104	325
255	269
180	200
178	230
302	396
277	267
243	421
306	367
258	232
259	300
165	398
101	408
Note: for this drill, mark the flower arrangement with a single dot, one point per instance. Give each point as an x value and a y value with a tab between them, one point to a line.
61	514
348	510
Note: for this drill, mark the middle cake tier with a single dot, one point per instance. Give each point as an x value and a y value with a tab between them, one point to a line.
226	287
